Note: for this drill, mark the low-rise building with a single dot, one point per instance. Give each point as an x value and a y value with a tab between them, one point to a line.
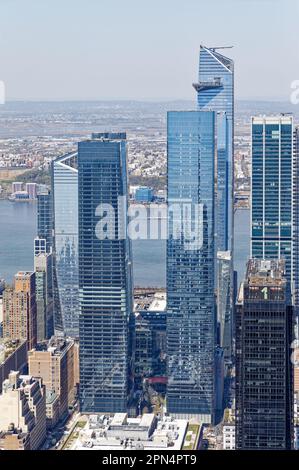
120	432
23	407
13	356
52	408
14	439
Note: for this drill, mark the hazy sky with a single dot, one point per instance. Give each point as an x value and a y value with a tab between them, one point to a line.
144	49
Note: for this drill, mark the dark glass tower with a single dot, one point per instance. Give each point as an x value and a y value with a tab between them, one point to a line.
191	321
264	373
105	286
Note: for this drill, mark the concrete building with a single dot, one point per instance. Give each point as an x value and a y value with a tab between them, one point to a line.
16	186
19	309
55	363
52	408
31	189
229	436
13	356
119	432
14	439
23	405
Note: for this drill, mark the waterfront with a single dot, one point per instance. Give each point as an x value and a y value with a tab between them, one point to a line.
18	229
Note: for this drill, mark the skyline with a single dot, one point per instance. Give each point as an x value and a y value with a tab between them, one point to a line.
159	309
76	55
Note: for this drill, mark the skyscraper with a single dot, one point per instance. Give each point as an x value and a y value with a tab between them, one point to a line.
105	285
272	190
224	303
19	309
44	295
296	228
65	216
264	373
191	322
215	92
45	217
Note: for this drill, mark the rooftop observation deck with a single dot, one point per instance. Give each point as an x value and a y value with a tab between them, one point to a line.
208	85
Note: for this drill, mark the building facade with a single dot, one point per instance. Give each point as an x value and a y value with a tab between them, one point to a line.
45	217
55	364
65	210
19	309
264	372
43	267
272	190
191	321
23	407
105	283
215	92
225	326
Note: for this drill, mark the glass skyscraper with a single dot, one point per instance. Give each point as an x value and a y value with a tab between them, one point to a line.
45	217
224	302
65	216
296	227
272	190
105	285
215	92
191	322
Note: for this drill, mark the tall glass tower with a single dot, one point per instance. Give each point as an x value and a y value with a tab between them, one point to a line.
45	217
105	285
272	190
65	217
215	92
191	322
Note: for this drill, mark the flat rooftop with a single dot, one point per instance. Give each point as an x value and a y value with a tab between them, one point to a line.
97	434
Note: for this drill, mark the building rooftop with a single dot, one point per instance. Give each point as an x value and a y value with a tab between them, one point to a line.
120	432
51	396
7	347
265	272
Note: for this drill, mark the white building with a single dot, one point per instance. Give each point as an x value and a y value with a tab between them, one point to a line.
229	436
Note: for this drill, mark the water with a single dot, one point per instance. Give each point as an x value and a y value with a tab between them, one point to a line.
18	229
17	232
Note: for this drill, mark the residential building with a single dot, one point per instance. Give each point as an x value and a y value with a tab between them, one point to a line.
23	407
13	356
54	362
19	309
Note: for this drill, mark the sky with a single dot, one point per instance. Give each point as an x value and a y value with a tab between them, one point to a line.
144	49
